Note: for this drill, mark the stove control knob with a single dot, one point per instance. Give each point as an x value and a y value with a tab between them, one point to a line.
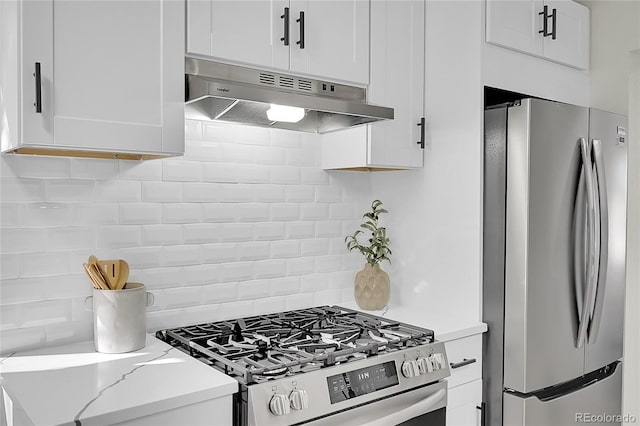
410	369
299	399
425	365
279	404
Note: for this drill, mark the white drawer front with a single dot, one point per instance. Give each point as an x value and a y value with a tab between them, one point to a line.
460	352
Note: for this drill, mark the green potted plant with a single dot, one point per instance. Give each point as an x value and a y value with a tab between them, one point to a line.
371	287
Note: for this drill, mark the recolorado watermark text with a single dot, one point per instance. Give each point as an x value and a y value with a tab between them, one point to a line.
605	418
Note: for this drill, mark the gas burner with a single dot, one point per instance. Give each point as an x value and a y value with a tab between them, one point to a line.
265	347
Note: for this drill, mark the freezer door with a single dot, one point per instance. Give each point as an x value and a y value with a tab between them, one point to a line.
541	314
597	404
605	331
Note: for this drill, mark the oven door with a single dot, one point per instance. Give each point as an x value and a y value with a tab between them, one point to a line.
420	406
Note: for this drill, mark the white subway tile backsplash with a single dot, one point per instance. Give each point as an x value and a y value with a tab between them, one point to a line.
9	216
140	170
252	212
298	230
181	171
300	193
269	194
22	240
314	211
253	250
15	190
118	236
245	223
181	212
162	192
89	168
229	232
140	213
300	266
70	191
45	214
201	274
71	238
288	175
223	292
200	192
285	249
285	212
182	255
220	252
43	264
328	228
118	191
161	235
89	214
236	193
315	247
142	257
266	231
236	271
22	290
44	167
328	194
269	268
253	289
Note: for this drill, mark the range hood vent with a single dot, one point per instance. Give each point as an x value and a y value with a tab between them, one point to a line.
217	91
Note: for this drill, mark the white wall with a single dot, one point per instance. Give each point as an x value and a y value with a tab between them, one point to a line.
435	212
246	222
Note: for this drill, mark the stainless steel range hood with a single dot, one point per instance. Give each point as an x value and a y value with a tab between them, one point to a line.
217	91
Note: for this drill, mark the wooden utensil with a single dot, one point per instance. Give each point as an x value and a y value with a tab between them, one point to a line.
95	264
123	274
86	271
111	272
95	277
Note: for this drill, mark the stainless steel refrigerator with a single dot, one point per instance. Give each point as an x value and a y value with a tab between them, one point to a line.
555	179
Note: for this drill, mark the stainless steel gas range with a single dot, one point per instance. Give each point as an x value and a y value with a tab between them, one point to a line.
326	365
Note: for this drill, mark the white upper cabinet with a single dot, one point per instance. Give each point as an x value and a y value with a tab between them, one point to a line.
397	81
99	78
557	30
329	39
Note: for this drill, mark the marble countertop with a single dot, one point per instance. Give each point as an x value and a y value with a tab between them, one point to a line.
445	326
75	384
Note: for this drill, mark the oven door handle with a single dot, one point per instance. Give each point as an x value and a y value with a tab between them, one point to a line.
416	410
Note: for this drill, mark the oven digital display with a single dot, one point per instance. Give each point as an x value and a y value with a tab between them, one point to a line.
361	382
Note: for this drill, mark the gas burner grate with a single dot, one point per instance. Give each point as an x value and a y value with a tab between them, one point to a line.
263	347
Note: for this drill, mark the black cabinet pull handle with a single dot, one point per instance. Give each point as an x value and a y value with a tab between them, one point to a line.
462	363
38	102
545	27
285	16
301	21
422	125
482	407
553	23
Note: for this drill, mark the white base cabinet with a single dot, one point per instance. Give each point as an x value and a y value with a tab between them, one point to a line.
95	78
397	81
557	30
465	383
214	411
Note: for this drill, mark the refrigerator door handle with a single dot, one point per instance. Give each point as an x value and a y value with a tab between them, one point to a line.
579	243
602	239
589	295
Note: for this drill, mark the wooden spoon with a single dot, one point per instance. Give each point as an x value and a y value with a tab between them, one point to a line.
123	274
111	269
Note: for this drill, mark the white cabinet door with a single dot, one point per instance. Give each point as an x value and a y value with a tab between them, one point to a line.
462	404
515	24
112	75
249	32
571	45
518	25
335	34
397	81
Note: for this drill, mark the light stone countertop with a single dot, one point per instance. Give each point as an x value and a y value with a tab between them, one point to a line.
75	384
